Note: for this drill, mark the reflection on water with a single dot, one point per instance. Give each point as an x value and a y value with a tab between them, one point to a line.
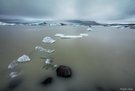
102	61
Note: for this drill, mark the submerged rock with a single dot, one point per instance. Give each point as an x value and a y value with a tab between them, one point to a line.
14	83
62	24
47	81
64	71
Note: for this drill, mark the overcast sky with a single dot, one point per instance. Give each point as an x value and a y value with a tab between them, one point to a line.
69	9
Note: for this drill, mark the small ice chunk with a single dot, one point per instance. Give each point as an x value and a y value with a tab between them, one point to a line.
59	35
84	34
48	61
48	40
41	49
55	66
12	65
13	74
71	37
89	29
23	58
49	51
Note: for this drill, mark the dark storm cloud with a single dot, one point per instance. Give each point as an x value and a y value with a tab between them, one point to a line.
70	9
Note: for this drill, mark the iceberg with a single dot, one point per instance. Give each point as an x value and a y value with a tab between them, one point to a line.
71	36
48	40
41	49
54	24
118	26
48	61
14	74
55	66
89	29
84	34
23	58
59	35
12	65
6	24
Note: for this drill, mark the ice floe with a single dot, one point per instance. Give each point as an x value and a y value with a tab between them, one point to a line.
89	29
84	34
48	61
41	49
71	36
6	24
14	74
23	58
48	40
59	35
12	65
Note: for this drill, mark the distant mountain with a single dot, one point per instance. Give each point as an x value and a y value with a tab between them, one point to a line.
82	22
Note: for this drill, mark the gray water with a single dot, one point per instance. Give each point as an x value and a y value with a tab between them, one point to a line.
103	61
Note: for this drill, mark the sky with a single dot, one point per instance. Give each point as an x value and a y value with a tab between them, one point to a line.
100	10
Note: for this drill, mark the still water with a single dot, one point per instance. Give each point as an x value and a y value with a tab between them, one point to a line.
103	61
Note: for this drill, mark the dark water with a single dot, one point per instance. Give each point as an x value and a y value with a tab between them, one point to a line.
103	61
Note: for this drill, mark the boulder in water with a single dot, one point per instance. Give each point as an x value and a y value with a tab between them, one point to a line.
64	71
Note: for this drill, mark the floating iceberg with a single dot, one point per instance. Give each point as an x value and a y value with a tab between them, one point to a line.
48	40
23	58
54	24
89	29
59	35
48	61
118	26
14	74
55	66
49	64
84	34
6	24
41	49
70	36
12	65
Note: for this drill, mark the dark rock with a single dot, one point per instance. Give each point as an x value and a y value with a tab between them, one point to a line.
47	81
62	24
132	26
64	71
43	23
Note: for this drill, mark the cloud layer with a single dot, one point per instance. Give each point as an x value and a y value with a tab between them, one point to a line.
69	9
